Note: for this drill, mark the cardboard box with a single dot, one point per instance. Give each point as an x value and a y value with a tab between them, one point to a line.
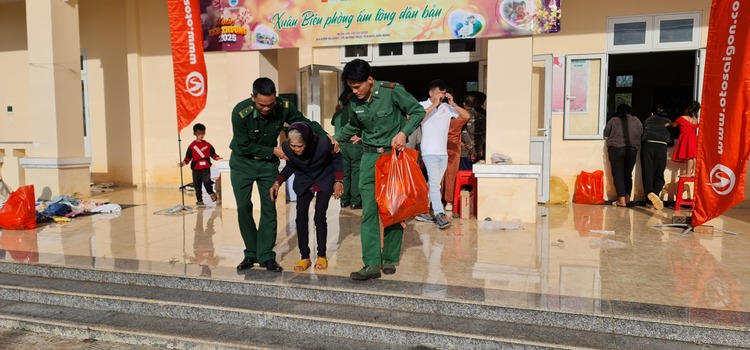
467	204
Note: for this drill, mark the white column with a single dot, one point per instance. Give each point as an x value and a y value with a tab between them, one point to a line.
56	162
508	192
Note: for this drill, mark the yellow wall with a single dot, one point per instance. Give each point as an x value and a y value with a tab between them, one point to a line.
584	23
14	74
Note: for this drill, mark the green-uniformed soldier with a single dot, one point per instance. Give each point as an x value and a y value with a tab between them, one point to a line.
351	150
256	124
379	111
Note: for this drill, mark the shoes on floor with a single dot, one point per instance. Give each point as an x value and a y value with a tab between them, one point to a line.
449	207
366	273
442	221
388	267
214	197
356	206
321	263
247	263
345	204
425	218
272	265
302	265
656	201
199	204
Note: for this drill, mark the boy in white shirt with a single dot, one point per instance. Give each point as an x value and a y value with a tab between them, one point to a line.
434	146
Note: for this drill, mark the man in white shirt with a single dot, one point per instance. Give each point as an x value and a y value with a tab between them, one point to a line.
438	115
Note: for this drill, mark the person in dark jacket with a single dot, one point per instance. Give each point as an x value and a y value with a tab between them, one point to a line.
318	172
654	155
623	134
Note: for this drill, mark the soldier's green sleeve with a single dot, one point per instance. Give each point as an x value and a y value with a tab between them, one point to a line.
241	139
409	106
354	127
293	115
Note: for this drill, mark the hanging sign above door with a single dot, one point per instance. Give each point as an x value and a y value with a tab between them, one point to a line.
235	25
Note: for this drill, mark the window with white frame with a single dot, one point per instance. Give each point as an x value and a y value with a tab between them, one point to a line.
677	31
422	52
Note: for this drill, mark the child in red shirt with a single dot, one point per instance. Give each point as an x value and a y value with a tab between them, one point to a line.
199	155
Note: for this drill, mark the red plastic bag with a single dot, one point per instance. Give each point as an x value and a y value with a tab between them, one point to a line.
590	188
19	212
400	188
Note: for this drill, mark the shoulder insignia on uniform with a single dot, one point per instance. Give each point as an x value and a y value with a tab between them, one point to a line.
388	85
286	104
245	112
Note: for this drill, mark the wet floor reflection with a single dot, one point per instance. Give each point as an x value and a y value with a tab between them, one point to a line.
574	258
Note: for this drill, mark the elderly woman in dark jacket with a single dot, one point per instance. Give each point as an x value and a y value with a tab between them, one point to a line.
318	172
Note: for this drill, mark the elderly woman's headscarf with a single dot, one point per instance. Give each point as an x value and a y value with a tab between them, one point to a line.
308	136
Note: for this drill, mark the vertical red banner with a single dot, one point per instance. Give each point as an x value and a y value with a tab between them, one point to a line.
190	79
723	135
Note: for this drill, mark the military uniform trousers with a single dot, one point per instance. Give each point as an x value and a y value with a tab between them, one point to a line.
370	228
352	158
259	240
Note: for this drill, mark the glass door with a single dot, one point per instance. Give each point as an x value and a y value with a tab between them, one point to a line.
318	88
541	121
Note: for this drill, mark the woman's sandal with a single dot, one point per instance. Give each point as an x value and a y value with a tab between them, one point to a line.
302	265
321	263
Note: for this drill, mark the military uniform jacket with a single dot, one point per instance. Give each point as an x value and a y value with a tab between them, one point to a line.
255	136
383	116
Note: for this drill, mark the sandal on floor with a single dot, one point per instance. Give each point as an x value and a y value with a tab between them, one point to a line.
302	265
321	263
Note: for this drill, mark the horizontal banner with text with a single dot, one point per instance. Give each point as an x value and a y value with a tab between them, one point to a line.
234	25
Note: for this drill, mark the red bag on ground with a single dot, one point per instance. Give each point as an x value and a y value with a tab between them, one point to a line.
19	212
400	188
590	188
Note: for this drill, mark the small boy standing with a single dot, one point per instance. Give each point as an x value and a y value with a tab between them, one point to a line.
199	155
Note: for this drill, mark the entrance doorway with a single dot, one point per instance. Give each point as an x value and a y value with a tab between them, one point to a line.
645	80
461	77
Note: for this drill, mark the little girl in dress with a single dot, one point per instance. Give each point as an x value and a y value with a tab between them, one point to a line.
686	148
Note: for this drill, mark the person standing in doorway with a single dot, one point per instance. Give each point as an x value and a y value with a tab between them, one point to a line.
480	126
468	134
256	124
654	155
378	111
352	152
686	149
623	134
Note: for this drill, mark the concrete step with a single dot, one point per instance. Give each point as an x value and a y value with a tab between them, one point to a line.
344	315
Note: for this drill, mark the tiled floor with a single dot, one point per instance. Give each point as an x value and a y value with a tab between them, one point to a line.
597	253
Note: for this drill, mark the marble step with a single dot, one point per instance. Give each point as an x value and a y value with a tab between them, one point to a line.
162	332
316	319
396	317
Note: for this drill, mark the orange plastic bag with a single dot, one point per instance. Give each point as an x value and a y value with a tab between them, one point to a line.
19	212
590	188
400	188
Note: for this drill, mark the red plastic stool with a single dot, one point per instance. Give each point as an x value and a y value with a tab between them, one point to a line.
679	202
464	177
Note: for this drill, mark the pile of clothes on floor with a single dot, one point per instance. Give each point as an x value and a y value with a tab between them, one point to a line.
64	208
